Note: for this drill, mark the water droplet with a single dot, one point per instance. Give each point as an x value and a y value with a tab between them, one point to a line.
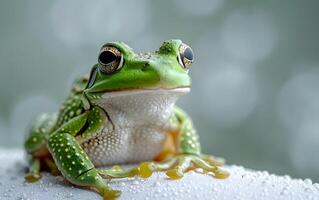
284	191
136	182
69	195
7	194
308	181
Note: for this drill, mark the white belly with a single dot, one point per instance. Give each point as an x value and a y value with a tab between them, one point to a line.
127	145
141	122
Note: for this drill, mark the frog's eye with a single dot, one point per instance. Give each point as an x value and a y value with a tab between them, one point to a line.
186	56
110	60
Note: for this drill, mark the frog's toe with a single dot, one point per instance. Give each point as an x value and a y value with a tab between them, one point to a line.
145	169
117	172
32	177
110	194
208	167
184	163
216	161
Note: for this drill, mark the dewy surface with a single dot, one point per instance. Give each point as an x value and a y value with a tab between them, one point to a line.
243	184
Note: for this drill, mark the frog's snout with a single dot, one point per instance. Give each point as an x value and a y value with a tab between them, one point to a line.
165	75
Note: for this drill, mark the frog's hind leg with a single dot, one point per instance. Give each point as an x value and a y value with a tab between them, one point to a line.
35	144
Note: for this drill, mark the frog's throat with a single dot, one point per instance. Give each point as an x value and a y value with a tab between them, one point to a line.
118	93
141	107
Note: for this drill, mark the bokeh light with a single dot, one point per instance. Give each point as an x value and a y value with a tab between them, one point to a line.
298	110
248	35
205	7
74	22
26	109
226	102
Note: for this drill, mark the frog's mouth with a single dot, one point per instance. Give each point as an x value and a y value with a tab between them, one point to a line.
118	93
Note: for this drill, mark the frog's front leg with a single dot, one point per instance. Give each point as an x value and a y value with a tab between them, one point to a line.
73	162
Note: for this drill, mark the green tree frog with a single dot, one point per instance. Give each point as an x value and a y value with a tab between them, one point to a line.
123	112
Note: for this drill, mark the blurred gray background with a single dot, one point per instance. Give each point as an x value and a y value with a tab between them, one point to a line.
255	98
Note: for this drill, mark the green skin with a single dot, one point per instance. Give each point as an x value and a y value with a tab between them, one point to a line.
62	133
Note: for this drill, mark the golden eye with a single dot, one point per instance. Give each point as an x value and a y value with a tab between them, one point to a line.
110	60
186	56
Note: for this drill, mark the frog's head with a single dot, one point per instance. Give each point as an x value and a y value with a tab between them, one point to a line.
122	71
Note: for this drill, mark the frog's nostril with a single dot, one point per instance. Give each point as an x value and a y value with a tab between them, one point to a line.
145	66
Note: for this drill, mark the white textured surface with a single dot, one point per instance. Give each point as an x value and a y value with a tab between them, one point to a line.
242	185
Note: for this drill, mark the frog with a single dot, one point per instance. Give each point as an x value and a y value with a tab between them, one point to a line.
123	111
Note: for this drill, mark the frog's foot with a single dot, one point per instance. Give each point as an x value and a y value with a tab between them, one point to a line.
34	171
176	167
32	177
92	179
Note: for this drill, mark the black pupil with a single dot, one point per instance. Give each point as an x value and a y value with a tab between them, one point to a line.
188	53
107	57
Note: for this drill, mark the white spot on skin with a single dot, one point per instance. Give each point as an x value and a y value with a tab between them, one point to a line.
71	114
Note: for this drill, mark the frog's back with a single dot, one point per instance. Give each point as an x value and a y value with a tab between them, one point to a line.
47	123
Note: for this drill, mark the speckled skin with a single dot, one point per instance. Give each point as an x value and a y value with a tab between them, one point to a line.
123	112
